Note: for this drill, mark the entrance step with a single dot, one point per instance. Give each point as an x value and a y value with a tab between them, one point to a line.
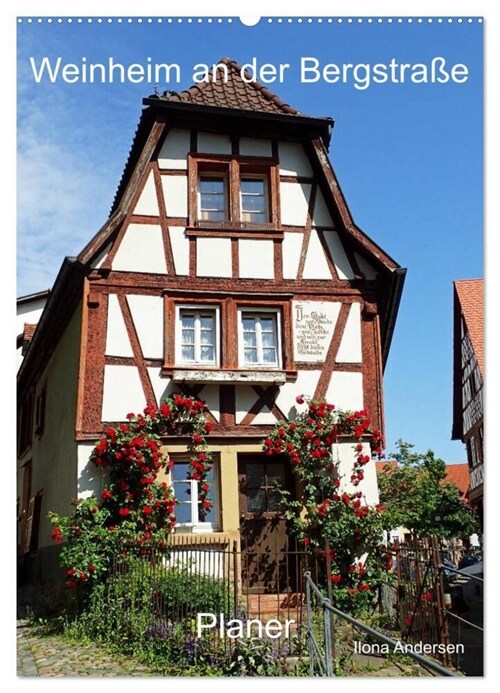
279	606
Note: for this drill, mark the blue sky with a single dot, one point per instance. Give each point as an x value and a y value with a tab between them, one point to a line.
408	158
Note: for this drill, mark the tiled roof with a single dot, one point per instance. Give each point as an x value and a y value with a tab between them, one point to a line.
379	466
470	293
232	92
458	475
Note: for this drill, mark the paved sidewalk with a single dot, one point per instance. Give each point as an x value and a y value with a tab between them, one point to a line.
52	655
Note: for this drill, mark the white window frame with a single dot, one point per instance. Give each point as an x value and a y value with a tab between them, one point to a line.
197	309
260	365
225	181
198	526
265	182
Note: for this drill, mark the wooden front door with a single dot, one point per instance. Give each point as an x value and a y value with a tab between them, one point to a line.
268	566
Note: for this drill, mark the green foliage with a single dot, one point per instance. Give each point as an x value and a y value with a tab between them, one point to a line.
417	497
255	657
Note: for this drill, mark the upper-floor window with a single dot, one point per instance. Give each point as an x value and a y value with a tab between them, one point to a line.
197	339
259	339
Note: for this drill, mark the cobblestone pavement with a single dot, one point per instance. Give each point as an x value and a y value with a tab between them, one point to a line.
52	655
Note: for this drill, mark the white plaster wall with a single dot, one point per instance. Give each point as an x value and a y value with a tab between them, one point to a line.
304	385
175	193
122	393
213	257
344	456
180	249
293	160
350	346
245	399
117	340
141	250
294	203
321	215
250	146
147	314
210	395
256	259
162	387
368	270
338	255
291	249
209	143
316	265
313	326
147	204
346	390
90	480
175	149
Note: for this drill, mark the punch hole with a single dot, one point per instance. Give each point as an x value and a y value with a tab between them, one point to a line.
250	20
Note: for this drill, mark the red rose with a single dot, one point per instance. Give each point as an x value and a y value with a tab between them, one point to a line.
336	578
56	535
106	494
208	426
165	410
91	568
147	509
124	512
70	572
364	587
306	541
299	399
71	584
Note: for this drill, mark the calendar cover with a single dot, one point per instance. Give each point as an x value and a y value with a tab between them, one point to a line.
250	346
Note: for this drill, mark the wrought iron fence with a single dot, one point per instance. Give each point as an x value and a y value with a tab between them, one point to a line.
322	620
420	594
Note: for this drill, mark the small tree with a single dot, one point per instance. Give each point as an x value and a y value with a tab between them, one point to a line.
417	497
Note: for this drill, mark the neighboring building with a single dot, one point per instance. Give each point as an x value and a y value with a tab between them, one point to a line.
29	311
230	269
468	379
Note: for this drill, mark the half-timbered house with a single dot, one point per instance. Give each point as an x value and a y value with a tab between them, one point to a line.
468	379
231	269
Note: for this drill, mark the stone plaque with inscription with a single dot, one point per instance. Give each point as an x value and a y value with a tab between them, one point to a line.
313	325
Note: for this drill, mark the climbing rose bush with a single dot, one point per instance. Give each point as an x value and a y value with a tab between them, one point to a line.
134	508
332	522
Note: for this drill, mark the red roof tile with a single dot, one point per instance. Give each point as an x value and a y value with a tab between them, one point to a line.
232	92
470	293
379	466
458	475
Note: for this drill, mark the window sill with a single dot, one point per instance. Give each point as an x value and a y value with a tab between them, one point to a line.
231	229
278	377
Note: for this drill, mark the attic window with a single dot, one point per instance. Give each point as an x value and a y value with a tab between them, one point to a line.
212	198
233	195
253	199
